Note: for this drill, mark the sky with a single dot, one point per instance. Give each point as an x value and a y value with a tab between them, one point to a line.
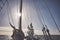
35	11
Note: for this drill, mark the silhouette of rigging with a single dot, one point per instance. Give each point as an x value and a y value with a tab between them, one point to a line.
3	4
52	16
18	34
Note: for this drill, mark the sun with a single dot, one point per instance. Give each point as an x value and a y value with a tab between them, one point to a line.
19	14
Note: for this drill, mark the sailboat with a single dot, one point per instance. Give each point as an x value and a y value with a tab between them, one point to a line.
31	36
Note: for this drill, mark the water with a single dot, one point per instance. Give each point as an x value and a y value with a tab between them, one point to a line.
4	37
54	37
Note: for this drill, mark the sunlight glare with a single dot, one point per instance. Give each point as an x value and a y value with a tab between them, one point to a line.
19	14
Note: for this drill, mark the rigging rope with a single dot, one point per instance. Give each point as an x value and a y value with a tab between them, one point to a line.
9	13
55	22
43	24
27	17
3	5
30	18
52	16
42	19
41	16
43	27
44	30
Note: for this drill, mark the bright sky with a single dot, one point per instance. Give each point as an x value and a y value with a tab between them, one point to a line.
32	12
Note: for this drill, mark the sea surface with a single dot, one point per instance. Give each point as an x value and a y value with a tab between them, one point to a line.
6	37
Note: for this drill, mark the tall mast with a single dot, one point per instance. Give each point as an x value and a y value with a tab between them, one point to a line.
20	23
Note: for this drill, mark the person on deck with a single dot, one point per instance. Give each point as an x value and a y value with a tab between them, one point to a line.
44	32
30	32
48	33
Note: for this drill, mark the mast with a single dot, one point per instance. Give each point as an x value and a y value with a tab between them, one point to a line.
20	23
